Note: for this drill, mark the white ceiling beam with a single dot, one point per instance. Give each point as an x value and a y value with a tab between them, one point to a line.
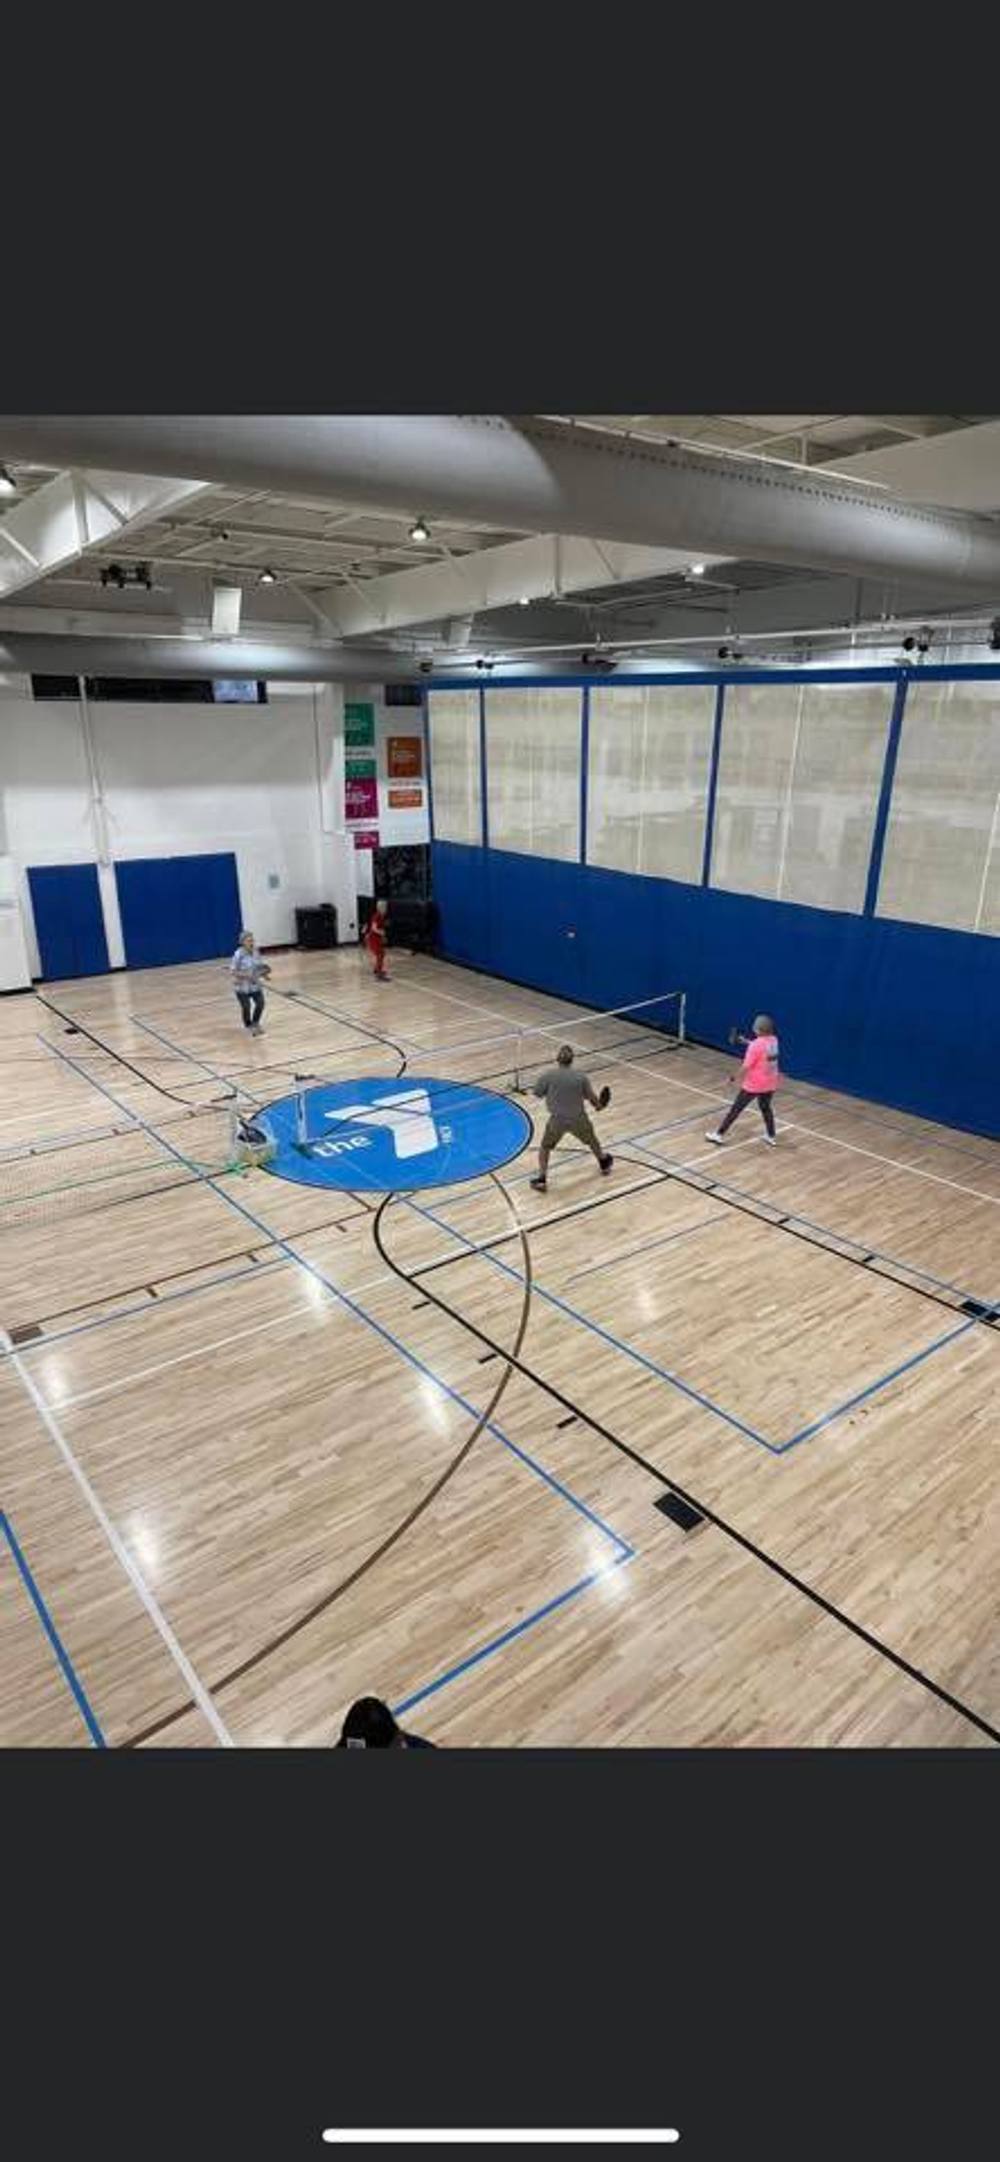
532	569
956	470
110	623
78	511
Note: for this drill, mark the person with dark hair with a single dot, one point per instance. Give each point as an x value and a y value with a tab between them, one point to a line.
566	1096
370	1725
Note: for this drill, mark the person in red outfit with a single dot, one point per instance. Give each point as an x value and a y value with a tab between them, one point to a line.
375	940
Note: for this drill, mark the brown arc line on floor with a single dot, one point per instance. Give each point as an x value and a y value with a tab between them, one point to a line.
303	1621
414	1281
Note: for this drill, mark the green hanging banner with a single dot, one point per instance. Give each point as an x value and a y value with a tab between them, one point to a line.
359	725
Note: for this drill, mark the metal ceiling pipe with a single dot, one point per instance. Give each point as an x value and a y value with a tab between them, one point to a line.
535	476
32	653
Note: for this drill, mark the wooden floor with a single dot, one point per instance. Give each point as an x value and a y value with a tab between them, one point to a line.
219	1396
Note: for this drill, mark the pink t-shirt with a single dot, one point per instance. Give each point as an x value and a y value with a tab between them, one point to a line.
760	1066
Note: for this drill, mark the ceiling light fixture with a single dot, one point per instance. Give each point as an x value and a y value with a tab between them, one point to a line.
420	530
267	577
8	485
524	601
697	570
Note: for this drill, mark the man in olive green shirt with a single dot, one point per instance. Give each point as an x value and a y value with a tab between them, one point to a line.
566	1093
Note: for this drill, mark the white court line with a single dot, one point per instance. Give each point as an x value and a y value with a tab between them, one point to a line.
198	1351
935	1178
195	1687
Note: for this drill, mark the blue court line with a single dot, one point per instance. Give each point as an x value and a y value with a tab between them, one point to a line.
621	1141
775	1448
192	1061
378	1328
486	1651
873	1388
623	1550
52	1633
617	1343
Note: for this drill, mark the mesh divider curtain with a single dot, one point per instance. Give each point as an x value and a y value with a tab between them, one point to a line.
799	777
650	756
533	749
456	776
941	862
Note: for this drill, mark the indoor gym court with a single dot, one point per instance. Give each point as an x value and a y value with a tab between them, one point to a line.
225	1395
306	1392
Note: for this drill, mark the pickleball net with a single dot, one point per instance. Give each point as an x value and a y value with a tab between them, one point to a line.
511	1059
73	1174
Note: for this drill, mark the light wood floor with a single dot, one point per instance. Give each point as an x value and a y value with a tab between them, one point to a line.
219	1396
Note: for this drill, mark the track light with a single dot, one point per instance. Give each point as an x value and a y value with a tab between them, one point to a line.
8	485
420	530
267	577
122	575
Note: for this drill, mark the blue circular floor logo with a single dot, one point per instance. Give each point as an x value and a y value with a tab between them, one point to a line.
392	1136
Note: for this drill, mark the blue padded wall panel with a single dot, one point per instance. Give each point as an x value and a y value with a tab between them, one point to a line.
901	1013
178	908
535	921
460	894
69	920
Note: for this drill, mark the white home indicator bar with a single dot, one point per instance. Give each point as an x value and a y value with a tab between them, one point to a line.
494	2137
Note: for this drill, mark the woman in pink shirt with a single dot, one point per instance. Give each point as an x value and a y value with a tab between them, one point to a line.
760	1078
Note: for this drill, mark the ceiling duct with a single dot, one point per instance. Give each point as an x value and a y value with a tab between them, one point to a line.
32	653
540	477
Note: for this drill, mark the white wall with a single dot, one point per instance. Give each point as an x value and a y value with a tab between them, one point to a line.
266	782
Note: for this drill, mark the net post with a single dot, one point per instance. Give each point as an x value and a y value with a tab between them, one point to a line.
682	1019
301	1134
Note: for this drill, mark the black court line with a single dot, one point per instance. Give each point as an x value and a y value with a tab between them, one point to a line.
712	1516
239	1253
762	1211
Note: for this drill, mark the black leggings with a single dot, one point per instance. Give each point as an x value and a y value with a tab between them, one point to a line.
252	1006
744	1098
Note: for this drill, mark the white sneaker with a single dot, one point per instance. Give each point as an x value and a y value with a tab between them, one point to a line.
770	1141
719	1138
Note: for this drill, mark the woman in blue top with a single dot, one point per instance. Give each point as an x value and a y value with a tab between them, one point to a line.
247	971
